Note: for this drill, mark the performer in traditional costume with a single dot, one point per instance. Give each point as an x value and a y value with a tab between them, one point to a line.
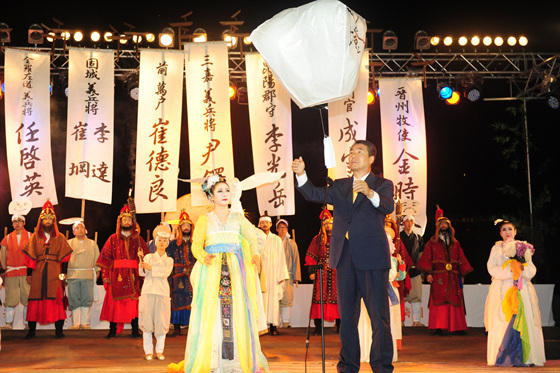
403	285
12	260
223	334
294	269
512	317
179	281
47	255
119	269
154	306
82	276
445	265
318	254
276	273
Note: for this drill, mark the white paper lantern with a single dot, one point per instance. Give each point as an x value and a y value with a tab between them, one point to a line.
315	50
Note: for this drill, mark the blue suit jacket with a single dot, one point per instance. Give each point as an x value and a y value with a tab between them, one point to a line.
364	223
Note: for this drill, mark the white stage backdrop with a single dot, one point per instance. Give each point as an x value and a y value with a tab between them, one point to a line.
89	136
270	115
159	130
404	144
28	126
348	121
208	110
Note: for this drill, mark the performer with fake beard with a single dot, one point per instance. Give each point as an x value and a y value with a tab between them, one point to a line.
118	260
445	265
179	281
47	255
318	254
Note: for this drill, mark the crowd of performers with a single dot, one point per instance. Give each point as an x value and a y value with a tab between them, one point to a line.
229	282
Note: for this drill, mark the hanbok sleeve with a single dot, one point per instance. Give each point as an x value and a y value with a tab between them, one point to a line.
199	237
162	268
248	232
530	270
495	262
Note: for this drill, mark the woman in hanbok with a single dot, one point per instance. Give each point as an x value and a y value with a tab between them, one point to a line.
223	334
512	317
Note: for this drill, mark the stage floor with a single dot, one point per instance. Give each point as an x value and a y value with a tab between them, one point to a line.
89	351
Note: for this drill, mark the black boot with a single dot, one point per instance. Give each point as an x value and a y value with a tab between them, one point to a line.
32	325
112	330
273	330
337	322
317	330
134	325
176	330
58	329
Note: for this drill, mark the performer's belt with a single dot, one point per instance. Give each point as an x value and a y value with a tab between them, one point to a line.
184	271
125	263
9	269
223	248
442	267
46	257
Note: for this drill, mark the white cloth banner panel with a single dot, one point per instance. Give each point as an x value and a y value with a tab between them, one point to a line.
159	130
28	126
348	121
314	50
89	133
270	115
208	111
403	134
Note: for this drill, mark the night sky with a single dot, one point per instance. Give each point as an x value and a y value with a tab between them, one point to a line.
465	167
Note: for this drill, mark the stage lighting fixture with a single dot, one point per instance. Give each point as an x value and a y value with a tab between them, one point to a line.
5	33
463	41
65	35
447	41
150	38
95	36
421	40
498	41
390	40
51	36
454	99
475	41
108	36
370	97
434	40
487	41
473	93
242	96
78	36
445	91
131	80
553	101
167	38
523	41
35	34
511	41
247	40
232	90
136	39
123	39
229	38
200	35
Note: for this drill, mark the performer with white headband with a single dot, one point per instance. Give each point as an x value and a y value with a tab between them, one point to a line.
82	276
276	272
154	305
12	260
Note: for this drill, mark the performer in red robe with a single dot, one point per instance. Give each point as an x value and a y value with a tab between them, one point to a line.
318	254
118	260
403	285
46	257
445	265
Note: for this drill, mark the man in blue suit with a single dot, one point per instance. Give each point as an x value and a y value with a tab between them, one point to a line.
360	253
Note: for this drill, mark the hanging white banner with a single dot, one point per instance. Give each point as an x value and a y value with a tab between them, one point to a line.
208	110
348	121
403	130
159	130
28	126
89	135
270	116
